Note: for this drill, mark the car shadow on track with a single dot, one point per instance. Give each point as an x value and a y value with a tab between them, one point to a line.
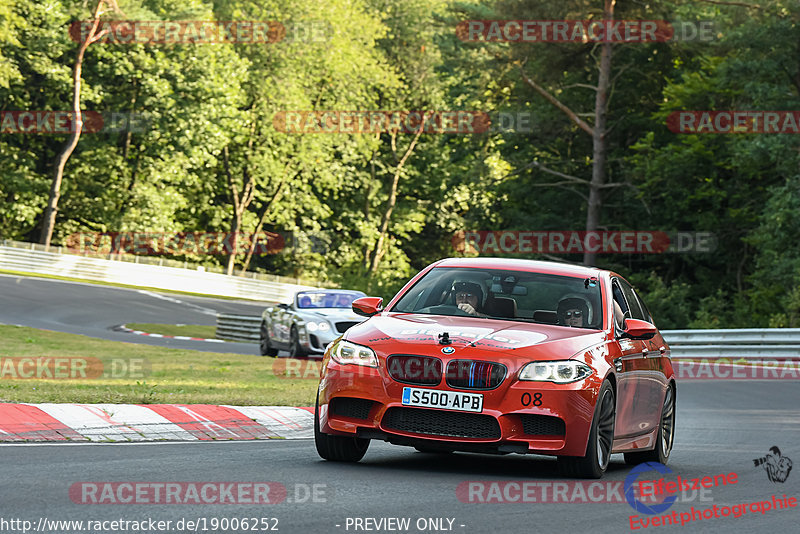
407	460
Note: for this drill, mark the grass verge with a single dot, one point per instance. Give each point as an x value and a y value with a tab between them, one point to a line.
190	330
128	373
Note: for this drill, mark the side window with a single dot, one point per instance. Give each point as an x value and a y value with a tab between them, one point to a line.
633	302
645	310
620	307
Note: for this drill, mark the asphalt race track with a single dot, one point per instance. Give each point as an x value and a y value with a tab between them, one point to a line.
722	427
94	310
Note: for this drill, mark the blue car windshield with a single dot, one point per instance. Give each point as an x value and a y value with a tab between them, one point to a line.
506	294
327	299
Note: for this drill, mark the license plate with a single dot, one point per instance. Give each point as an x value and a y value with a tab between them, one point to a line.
451	400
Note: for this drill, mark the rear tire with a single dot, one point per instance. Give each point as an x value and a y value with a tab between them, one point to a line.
337	448
264	342
664	438
601	440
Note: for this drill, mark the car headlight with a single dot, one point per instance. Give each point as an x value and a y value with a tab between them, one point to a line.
321	326
560	372
345	352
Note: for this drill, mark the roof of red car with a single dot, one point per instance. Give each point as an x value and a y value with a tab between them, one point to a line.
547	267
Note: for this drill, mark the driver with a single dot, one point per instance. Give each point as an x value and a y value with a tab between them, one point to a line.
573	311
343	301
469	297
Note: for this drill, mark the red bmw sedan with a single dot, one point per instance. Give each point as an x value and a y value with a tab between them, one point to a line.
502	356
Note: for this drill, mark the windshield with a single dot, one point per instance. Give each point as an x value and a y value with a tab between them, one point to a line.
506	294
328	299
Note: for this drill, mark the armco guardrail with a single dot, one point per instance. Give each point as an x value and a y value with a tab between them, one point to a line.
734	343
238	327
137	274
738	343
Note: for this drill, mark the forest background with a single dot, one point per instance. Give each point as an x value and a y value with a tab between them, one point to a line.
369	210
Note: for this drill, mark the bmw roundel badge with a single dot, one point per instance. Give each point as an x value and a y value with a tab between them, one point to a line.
448	350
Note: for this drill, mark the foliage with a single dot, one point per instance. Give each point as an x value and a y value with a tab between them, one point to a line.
206	130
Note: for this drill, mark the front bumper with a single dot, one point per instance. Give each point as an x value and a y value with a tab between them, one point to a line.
315	342
518	416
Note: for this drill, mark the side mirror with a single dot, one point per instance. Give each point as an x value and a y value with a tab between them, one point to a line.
367	306
638	329
283	306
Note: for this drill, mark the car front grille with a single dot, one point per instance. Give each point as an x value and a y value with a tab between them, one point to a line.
442	423
342	326
351	407
543	425
411	369
469	374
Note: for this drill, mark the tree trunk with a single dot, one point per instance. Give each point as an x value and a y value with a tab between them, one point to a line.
261	218
599	141
49	222
239	202
378	251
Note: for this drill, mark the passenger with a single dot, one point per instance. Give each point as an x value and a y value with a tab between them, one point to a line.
344	301
573	312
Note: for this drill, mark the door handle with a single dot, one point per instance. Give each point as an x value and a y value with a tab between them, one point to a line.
644	352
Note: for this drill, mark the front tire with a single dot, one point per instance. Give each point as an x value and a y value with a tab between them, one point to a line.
664	438
601	440
264	342
337	448
295	350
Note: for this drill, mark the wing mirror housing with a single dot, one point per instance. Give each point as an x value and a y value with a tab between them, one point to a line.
367	306
638	329
283	306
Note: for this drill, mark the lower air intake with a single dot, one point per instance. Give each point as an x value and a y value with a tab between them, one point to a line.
351	407
543	425
442	423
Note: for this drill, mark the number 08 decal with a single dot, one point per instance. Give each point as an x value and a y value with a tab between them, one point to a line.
527	400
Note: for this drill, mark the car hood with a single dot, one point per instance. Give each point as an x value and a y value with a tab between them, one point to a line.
390	333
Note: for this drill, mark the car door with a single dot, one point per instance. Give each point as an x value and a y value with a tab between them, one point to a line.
283	318
658	362
629	364
651	381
